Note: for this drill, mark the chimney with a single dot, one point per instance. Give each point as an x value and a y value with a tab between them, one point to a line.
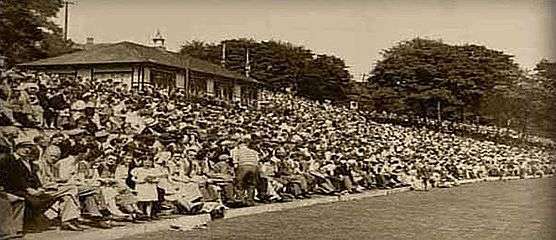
90	41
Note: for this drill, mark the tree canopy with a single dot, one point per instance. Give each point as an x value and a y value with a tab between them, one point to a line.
420	75
279	64
27	31
541	97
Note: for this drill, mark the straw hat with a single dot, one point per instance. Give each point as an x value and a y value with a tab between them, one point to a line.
23	141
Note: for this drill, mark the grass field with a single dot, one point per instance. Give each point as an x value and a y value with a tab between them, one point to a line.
521	209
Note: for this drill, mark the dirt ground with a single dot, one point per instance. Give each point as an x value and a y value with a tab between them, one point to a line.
522	209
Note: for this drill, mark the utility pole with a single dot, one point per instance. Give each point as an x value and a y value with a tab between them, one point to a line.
66	3
438	112
247	64
187	77
223	58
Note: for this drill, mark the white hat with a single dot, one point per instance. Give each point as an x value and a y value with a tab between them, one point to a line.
30	85
78	105
223	157
245	138
23	141
162	156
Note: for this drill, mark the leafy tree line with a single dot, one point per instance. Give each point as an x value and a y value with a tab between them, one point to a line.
418	77
27	31
280	64
462	83
534	97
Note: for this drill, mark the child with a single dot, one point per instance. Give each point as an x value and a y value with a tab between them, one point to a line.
146	178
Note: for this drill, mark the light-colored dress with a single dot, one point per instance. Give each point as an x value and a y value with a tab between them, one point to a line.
66	168
146	191
125	196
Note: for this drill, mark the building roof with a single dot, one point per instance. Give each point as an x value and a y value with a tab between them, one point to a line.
129	52
87	46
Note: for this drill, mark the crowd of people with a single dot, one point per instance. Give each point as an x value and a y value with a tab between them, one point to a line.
81	153
493	133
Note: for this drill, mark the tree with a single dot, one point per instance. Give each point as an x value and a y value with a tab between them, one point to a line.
27	31
545	74
279	64
424	73
543	94
198	49
528	104
326	77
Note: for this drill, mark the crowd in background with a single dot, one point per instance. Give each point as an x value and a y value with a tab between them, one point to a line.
120	154
503	135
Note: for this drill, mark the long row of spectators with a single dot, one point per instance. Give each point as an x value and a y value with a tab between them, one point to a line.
483	132
78	152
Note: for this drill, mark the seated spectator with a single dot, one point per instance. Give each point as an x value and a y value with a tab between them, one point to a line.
19	178
296	148
146	178
11	216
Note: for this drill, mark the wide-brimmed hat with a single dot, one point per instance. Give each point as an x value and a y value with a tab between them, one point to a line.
224	157
227	143
162	157
23	141
150	121
78	105
101	133
245	138
29	85
75	132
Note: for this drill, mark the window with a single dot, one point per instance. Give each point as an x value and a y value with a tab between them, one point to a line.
163	79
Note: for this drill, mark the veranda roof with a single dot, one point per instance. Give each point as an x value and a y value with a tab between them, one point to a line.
129	52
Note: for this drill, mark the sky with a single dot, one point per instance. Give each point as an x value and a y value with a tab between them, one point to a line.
354	30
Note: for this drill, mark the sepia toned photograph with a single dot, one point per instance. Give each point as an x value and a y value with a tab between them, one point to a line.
277	119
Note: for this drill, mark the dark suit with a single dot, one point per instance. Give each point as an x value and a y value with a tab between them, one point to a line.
15	178
11	215
58	102
6	145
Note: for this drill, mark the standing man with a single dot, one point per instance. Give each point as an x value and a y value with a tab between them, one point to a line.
246	161
424	173
56	101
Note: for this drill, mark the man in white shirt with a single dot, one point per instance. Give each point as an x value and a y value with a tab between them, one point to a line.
246	170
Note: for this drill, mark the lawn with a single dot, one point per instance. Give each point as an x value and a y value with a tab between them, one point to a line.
521	209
